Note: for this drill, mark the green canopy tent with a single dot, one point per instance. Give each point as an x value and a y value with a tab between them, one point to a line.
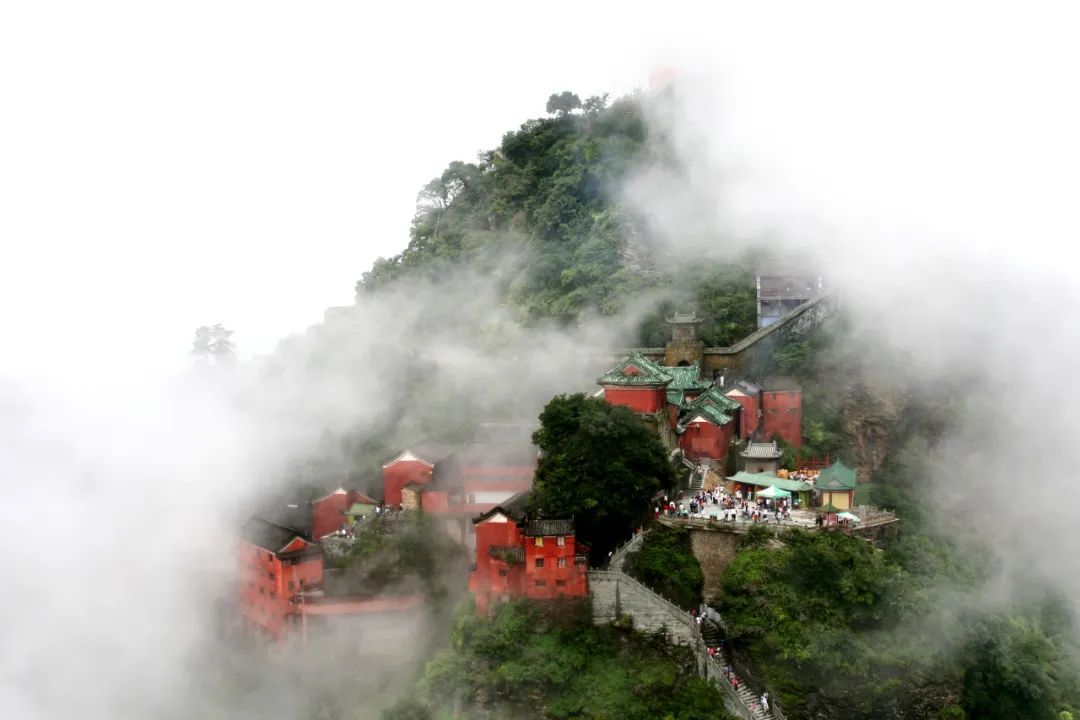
772	492
764	480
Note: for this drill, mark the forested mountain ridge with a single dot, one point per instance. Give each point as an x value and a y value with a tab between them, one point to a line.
834	627
542	212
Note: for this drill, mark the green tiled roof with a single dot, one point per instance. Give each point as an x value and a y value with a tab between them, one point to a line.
765	479
837	476
714	396
676	397
710	412
686	378
635	370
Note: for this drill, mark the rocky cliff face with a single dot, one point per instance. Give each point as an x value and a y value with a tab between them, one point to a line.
871	419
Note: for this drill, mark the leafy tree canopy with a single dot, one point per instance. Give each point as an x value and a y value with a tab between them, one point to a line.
599	465
548	197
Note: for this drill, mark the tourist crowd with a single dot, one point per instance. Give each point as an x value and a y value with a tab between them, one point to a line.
730	506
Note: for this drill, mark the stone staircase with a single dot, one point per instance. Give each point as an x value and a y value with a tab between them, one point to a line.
697	478
712	635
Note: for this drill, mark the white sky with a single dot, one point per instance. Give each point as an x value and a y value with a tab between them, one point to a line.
163	167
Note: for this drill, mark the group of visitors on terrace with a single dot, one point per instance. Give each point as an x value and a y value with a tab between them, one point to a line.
730	507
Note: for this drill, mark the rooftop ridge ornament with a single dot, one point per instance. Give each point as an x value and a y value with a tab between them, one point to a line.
684	318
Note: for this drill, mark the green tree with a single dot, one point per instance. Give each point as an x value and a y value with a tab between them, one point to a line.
666	563
563	103
213	343
200	347
1013	673
599	465
221	345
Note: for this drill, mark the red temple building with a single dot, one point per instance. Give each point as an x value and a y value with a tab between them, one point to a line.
332	511
707	425
637	383
748	395
284	588
497	465
411	466
519	557
275	561
706	415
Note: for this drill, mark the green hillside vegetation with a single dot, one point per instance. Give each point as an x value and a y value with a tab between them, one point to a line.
835	627
666	563
541	212
532	661
840	629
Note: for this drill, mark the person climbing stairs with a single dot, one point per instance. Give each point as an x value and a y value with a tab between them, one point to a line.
714	637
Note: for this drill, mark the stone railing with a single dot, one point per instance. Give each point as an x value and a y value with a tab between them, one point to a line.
873	515
710	669
618	557
615	593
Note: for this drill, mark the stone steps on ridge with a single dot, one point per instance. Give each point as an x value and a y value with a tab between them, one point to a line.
753	703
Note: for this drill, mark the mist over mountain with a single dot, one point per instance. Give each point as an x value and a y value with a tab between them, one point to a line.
924	163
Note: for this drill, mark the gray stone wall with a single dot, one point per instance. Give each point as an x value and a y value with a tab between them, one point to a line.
714	551
616	594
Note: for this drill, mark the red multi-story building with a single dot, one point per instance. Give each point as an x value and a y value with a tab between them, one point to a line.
282	582
521	558
275	562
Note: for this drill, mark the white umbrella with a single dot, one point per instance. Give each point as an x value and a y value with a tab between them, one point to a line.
848	516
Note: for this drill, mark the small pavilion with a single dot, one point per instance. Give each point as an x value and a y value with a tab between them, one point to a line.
836	484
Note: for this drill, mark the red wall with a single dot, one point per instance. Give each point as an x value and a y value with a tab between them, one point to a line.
509	479
748	421
264	590
328	514
638	399
399	474
435	501
705	440
783	416
485	581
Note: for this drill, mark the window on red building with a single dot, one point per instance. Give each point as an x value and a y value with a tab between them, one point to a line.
271	574
503	573
292	585
560	583
562	562
560	541
541	583
539	562
538	542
